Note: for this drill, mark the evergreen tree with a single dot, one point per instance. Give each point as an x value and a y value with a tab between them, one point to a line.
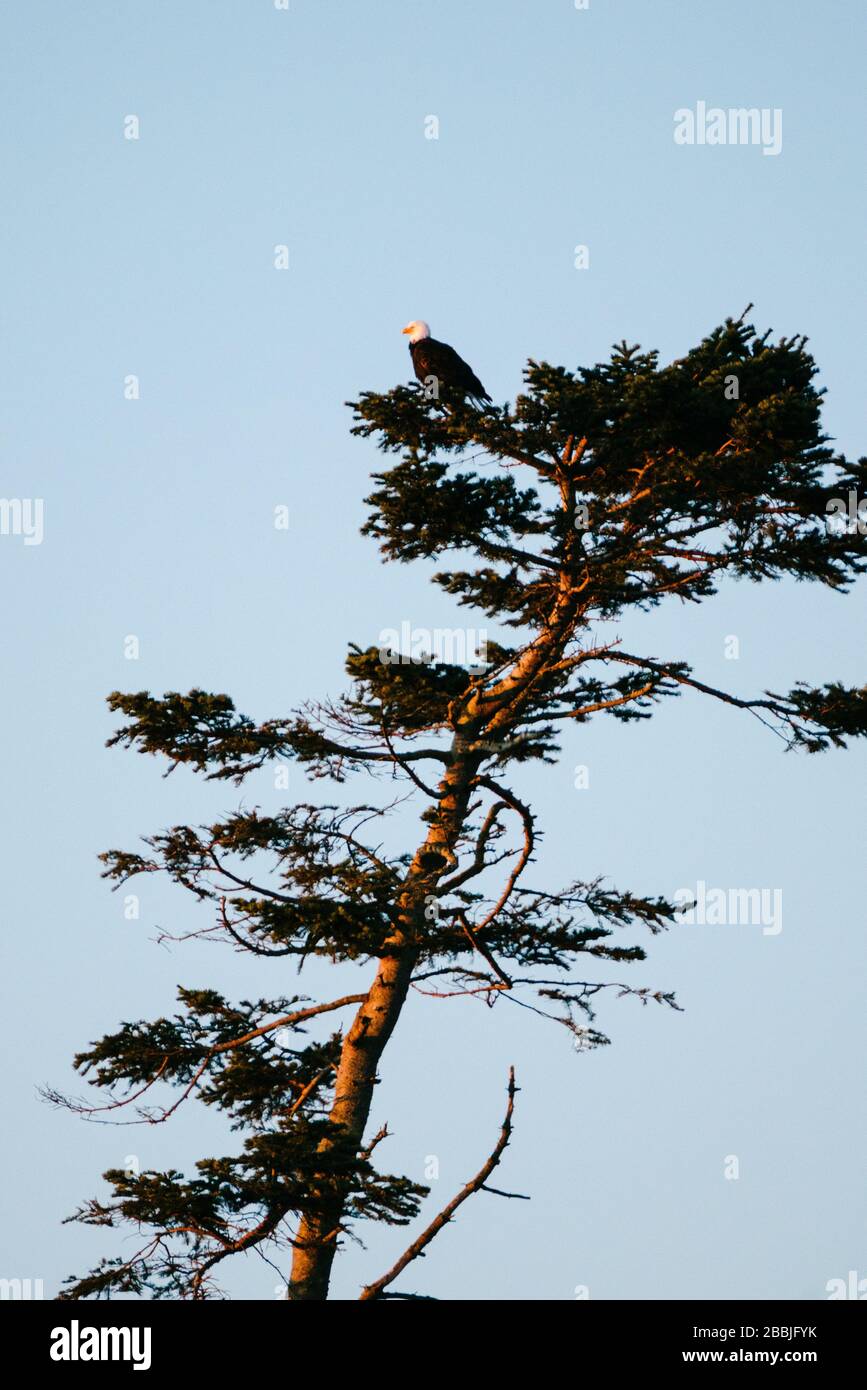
639	483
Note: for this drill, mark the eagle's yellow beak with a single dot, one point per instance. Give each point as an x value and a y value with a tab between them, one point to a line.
408	329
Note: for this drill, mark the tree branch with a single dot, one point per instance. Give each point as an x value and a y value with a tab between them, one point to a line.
375	1290
529	844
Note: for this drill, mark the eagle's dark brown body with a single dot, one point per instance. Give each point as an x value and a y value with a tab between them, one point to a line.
436	362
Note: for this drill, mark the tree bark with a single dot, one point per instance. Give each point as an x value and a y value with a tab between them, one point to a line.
316	1241
499	710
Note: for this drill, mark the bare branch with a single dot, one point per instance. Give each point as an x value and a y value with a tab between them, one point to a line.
375	1290
404	764
529	844
753	706
482	949
479	862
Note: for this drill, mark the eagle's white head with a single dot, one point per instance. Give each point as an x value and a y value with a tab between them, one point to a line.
417	330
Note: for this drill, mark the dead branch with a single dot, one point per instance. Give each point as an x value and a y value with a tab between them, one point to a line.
482	949
375	1290
526	852
479	863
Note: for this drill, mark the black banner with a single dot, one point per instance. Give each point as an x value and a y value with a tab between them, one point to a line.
88	1339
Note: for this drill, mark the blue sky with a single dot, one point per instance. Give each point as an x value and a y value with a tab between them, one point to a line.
155	258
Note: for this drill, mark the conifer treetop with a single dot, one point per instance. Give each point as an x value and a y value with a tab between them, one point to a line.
614	487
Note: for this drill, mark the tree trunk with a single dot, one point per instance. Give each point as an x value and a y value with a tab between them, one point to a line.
316	1241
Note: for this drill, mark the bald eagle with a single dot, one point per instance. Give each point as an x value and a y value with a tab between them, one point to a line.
438	366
